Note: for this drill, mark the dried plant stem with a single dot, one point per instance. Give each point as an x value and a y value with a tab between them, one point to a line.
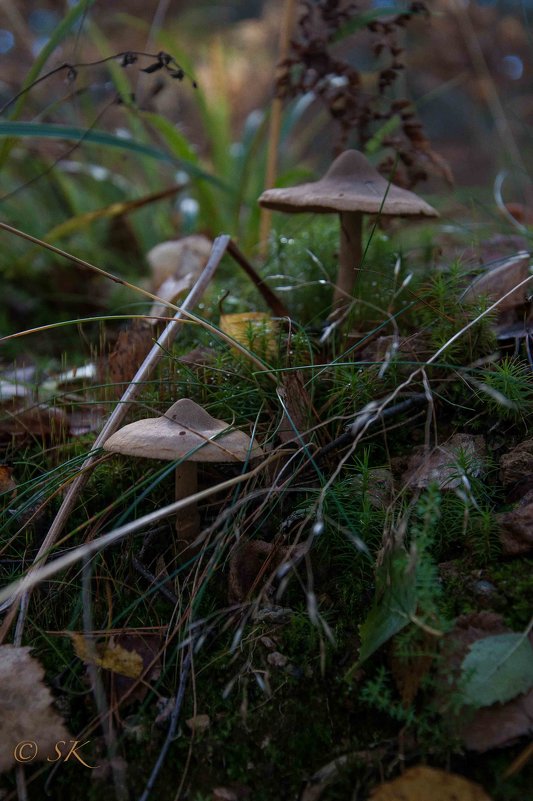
174	717
117	766
143	373
274	132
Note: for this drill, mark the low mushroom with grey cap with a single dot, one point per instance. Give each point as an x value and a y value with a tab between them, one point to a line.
186	431
351	187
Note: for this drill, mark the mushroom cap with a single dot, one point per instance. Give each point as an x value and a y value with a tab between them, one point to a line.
350	184
178	258
183	428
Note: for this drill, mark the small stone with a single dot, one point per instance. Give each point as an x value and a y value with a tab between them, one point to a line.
379	487
268	643
224	794
516	467
238	792
272	614
276	659
440	464
484	588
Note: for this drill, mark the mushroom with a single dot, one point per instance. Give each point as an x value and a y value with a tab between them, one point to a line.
178	258
187	432
351	187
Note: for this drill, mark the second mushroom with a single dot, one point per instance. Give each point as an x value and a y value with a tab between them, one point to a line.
351	187
188	433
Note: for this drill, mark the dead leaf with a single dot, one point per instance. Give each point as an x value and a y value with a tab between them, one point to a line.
131	348
148	647
255	561
297	407
85	418
8	485
493	726
440	465
422	783
26	708
499	725
40	421
516	527
497	282
408	672
256	331
9	391
110	657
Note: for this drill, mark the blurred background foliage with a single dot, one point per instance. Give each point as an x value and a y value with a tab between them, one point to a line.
121	135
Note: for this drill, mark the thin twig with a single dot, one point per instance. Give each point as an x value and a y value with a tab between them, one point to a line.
184	675
347	438
153	580
106	720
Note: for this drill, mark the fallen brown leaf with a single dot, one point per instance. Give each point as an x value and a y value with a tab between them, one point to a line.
493	726
497	282
408	672
147	646
8	485
41	421
422	783
297	409
26	708
254	561
131	348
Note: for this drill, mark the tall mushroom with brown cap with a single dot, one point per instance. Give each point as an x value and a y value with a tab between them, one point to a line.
187	432
351	187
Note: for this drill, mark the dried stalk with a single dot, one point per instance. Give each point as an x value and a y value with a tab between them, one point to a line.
275	126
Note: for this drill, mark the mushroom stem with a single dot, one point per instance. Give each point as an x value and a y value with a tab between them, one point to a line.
350	257
188	519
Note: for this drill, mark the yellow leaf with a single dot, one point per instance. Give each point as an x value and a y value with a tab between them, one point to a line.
110	657
422	783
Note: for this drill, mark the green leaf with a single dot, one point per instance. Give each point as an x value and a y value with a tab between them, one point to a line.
82	135
497	668
95	137
394	606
